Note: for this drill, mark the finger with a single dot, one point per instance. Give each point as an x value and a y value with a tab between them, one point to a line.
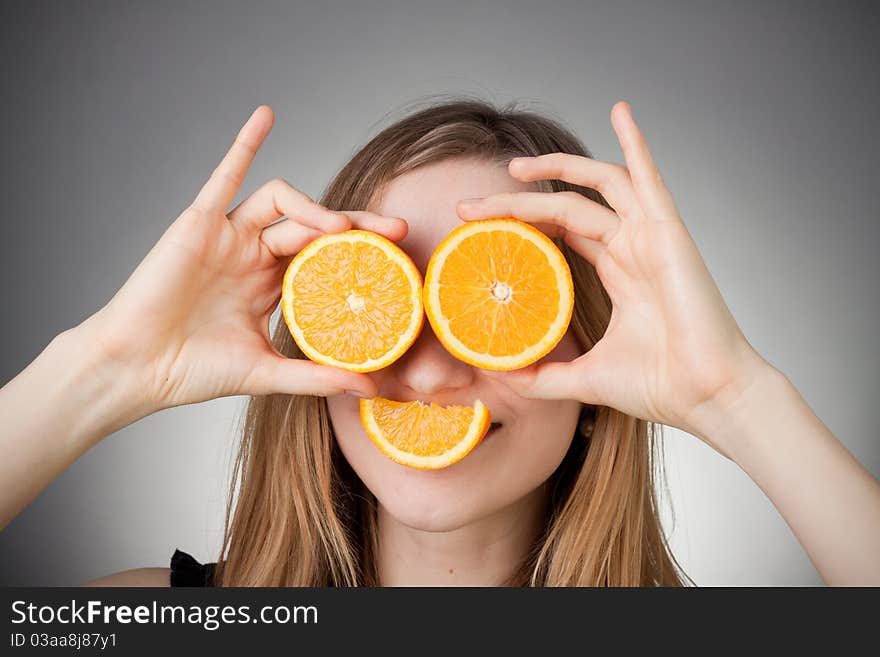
589	249
393	228
569	210
278	198
298	376
221	188
287	237
610	180
655	197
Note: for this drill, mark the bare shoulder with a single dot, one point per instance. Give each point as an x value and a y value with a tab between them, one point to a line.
135	577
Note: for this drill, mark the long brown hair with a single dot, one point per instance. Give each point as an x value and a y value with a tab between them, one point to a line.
302	517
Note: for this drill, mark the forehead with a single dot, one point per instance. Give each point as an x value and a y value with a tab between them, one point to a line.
426	198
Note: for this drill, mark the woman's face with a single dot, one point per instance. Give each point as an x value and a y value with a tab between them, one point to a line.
533	436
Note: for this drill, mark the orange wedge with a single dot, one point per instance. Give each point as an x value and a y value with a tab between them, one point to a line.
424	436
498	293
353	300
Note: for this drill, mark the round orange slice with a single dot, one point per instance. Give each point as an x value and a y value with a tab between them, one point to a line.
353	300
424	436
498	293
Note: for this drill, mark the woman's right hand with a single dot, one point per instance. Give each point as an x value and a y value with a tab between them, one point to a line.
193	318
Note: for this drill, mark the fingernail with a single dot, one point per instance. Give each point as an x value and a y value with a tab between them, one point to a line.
472	200
356	393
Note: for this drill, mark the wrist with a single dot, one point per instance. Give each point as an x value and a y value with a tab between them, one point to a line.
739	415
106	390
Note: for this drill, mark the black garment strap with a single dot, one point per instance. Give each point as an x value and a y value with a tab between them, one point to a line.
186	571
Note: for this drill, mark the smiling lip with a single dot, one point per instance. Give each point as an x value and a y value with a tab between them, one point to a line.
491	430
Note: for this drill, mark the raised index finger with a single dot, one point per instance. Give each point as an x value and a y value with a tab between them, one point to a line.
655	197
223	185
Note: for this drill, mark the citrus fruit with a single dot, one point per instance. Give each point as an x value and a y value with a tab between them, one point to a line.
424	436
498	293
353	300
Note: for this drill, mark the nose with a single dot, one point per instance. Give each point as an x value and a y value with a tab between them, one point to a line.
428	369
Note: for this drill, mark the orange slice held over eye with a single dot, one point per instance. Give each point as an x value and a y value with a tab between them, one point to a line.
353	300
498	293
424	436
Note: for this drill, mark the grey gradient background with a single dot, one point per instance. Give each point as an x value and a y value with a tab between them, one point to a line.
761	115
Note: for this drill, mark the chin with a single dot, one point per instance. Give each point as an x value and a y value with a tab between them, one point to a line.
422	500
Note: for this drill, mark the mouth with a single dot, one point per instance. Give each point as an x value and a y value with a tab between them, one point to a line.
492	428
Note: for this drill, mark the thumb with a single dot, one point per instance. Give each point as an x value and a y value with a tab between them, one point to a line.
549	380
298	376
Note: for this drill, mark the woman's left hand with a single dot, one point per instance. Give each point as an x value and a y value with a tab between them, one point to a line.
672	352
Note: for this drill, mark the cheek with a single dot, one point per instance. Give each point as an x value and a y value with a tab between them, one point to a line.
380	474
353	442
535	446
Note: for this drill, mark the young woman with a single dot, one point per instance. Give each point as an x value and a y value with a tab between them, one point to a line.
561	492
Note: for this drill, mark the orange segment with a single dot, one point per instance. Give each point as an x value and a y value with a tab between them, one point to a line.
424	436
353	300
498	293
